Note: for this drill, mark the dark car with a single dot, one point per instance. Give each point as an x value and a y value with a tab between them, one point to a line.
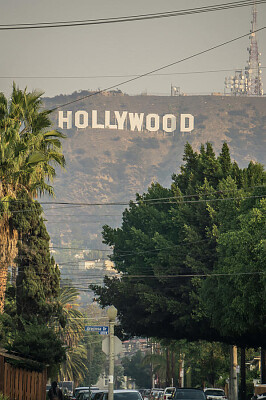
82	391
84	396
188	394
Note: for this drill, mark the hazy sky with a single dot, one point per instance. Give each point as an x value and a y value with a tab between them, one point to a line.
122	49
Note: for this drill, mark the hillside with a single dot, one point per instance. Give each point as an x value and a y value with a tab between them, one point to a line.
111	165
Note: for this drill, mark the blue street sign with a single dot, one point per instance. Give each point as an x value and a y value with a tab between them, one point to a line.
102	330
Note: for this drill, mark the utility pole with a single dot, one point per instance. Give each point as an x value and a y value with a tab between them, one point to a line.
111	313
243	386
263	365
168	378
233	393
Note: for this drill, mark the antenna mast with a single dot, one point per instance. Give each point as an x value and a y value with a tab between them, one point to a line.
253	70
248	83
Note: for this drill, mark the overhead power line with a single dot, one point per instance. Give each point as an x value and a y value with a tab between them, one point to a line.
170	276
130	18
154	202
163	200
124	75
157	69
128	252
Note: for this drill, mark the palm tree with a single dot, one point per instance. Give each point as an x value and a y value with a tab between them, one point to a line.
159	365
74	368
71	324
71	330
29	153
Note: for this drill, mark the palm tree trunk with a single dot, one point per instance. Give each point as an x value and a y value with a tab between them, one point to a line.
3	280
8	253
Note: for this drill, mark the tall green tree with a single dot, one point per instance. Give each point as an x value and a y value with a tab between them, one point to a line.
206	364
139	370
168	242
96	358
70	326
32	302
234	299
38	278
29	152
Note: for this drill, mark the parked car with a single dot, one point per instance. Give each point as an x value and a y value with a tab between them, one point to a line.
214	393
146	394
124	394
155	393
98	395
159	395
168	392
92	389
84	395
66	387
188	394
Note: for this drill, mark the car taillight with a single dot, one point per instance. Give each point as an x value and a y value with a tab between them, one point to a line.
164	397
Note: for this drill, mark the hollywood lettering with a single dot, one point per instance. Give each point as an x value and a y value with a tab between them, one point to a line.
125	121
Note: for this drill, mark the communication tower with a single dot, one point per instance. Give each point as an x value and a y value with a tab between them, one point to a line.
248	83
175	91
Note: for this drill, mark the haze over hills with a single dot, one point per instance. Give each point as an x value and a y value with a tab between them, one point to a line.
111	165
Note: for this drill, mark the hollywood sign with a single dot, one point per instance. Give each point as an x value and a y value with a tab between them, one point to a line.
126	121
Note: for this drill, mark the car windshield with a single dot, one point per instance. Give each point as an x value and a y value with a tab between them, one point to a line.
127	396
67	385
169	390
214	392
189	394
97	395
86	396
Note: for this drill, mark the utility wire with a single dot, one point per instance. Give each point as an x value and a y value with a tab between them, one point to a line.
157	69
125	252
152	201
158	276
144	200
122	76
130	18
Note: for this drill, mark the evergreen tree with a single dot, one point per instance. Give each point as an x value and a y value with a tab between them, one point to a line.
136	368
37	283
168	242
29	153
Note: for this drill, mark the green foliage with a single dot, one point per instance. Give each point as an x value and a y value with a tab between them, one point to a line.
32	303
95	358
206	363
170	238
28	152
37	285
74	367
240	297
70	327
135	368
119	376
39	343
3	397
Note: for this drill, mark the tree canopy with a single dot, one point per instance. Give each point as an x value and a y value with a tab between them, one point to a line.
135	368
29	152
168	244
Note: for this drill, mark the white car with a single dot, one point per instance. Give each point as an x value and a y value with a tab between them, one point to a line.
215	394
168	391
124	394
